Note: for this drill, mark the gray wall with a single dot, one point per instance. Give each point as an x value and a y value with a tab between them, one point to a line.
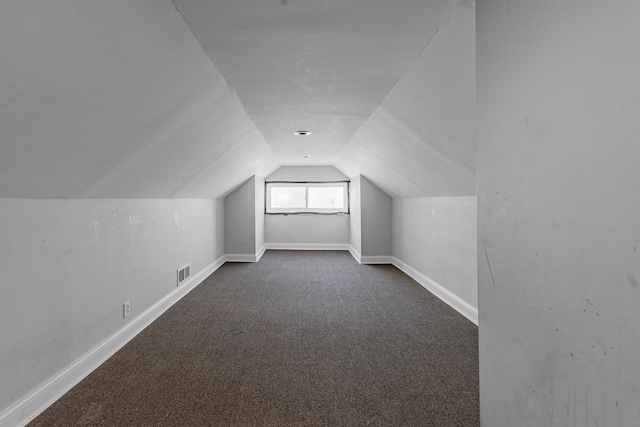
355	214
559	212
437	236
307	229
240	219
259	213
69	265
375	210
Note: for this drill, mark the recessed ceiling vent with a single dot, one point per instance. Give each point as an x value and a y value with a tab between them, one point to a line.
302	133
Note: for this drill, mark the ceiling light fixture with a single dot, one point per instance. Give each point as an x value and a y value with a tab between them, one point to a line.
302	133
306	156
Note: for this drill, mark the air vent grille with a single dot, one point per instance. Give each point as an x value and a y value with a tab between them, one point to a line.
184	273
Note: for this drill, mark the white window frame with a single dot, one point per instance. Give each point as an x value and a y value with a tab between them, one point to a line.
306	210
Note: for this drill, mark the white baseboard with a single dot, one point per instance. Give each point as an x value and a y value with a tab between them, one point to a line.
44	396
261	252
375	259
241	258
355	254
286	246
37	401
309	246
457	303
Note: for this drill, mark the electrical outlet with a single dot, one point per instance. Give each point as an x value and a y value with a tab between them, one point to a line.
126	309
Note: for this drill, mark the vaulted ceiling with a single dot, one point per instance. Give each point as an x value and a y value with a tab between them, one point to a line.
188	99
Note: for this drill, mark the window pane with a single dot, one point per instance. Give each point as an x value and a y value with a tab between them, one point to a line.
326	197
287	197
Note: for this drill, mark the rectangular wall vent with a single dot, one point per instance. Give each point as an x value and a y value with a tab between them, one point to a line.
184	273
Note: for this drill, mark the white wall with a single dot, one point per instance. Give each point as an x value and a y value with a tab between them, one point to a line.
304	230
437	236
240	219
559	212
375	209
69	265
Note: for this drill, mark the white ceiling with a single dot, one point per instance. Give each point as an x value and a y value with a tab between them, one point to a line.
322	66
120	99
387	88
421	140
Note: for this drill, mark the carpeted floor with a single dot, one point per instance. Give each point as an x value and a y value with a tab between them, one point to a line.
299	339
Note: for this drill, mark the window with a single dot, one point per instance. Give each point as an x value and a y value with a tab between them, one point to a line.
307	197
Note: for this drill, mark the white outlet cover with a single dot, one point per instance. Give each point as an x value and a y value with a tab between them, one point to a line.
126	309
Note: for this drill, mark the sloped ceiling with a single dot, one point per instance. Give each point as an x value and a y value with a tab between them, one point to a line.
118	98
387	88
421	140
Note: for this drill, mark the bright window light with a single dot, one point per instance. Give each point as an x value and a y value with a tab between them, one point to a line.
326	197
288	197
307	197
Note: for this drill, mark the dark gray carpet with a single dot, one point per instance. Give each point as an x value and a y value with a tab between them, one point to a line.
299	339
